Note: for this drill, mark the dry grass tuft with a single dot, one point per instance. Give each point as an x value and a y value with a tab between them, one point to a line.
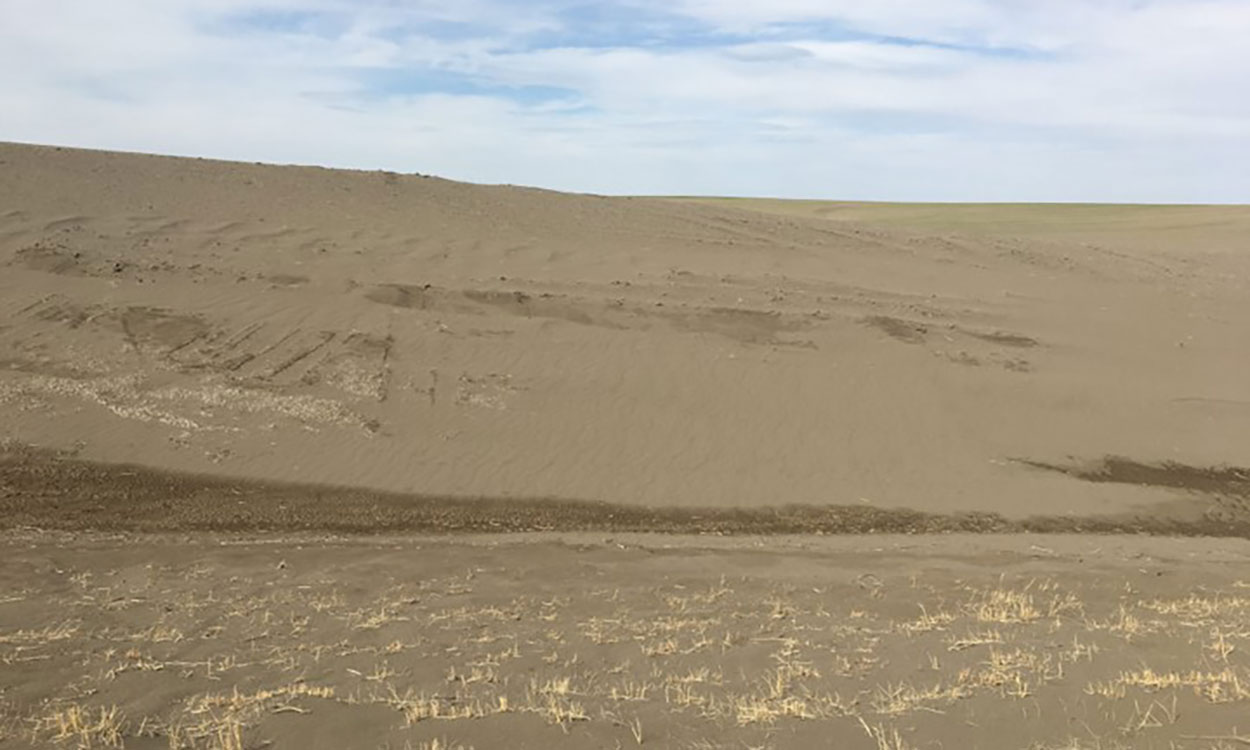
1004	606
42	636
1225	686
440	744
84	728
886	738
216	721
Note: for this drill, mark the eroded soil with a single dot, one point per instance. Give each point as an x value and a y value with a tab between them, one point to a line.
53	490
536	641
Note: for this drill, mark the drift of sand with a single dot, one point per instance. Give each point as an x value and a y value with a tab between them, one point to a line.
412	334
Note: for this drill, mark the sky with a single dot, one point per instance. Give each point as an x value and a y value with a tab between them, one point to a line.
933	100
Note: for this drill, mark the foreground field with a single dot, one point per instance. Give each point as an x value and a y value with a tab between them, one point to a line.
536	641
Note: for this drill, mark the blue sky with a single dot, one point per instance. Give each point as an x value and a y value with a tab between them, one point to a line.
1062	100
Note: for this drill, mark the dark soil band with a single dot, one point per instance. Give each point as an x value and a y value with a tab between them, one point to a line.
49	490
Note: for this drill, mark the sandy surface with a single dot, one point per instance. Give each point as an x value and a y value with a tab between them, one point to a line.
261	429
414	335
582	641
49	490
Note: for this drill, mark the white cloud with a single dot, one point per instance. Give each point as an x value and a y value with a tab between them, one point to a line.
992	99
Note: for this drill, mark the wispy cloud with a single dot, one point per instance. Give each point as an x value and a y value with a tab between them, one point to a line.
892	99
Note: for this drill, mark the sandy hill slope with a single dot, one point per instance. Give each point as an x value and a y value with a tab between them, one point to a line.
407	333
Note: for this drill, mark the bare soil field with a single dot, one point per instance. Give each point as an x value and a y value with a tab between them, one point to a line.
297	457
591	641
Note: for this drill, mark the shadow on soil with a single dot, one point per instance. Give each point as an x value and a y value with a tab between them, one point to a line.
50	490
1222	480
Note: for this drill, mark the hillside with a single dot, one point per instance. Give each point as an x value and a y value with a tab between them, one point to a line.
415	335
